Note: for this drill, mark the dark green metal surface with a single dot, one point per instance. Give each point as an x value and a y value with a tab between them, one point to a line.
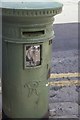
25	90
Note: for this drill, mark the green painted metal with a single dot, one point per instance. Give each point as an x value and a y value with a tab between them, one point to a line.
25	90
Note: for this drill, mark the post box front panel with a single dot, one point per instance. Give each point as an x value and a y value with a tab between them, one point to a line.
26	87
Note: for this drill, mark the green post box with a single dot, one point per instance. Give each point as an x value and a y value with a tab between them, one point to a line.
26	54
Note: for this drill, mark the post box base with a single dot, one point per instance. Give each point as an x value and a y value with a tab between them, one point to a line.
45	117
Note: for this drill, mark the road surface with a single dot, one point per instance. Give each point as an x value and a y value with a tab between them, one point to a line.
64	96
